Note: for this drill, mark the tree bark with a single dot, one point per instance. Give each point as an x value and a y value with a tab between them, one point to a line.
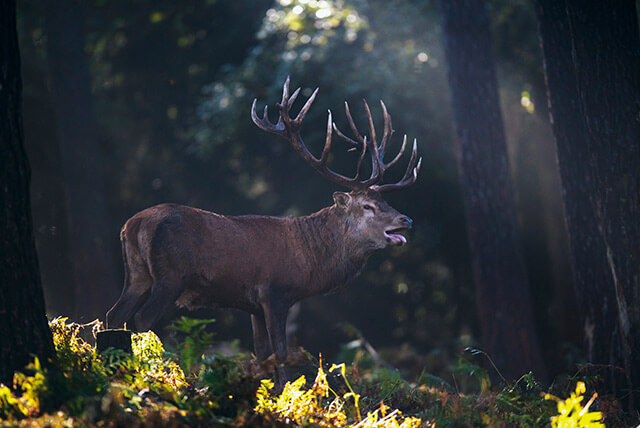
48	195
591	54
502	289
23	326
92	243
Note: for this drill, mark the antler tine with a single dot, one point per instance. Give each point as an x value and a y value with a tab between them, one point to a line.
288	100
363	152
411	178
372	129
377	168
376	164
412	159
410	175
264	123
355	144
399	155
388	130
293	98
327	142
352	124
305	108
285	92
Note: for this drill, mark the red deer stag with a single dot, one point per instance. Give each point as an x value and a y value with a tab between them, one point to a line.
263	265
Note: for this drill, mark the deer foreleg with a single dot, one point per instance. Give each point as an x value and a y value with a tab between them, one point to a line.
261	344
275	316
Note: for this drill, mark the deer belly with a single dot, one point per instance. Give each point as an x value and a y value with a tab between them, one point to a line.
201	293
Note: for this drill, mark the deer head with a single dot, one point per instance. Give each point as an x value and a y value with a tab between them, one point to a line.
367	215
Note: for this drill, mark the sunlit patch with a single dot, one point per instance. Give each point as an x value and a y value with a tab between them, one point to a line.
320	405
525	101
323	13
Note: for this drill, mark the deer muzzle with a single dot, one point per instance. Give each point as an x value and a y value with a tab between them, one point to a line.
394	235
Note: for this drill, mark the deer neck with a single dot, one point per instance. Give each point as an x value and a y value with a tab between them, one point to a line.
334	258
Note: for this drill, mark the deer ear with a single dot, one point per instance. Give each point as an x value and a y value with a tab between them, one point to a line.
342	199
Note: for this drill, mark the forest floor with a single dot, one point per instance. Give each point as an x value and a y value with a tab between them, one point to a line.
191	386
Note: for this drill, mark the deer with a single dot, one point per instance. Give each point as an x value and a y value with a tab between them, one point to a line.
263	265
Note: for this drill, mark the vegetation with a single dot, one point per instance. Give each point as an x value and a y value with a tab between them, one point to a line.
148	388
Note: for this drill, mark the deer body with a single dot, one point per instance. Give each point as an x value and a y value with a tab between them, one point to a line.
260	264
200	250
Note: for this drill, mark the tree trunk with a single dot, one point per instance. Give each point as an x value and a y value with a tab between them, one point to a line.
92	243
48	195
592	66
23	326
502	288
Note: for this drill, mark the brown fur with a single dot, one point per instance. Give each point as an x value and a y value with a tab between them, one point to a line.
262	265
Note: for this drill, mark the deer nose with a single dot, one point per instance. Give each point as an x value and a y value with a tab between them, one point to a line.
406	221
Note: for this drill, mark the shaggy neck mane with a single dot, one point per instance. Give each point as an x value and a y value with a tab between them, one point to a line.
334	258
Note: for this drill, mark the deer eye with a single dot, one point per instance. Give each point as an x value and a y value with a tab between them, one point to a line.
369	207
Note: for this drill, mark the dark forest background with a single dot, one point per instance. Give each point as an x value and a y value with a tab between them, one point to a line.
129	104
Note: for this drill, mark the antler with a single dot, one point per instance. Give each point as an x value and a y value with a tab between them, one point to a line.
289	128
379	167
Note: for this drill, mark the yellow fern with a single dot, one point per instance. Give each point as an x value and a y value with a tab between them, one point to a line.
571	414
296	405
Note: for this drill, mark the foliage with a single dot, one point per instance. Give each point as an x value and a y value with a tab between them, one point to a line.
28	403
148	388
83	381
571	414
315	407
225	388
152	368
71	350
193	339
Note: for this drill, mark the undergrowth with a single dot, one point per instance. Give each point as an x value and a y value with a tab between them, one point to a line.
191	386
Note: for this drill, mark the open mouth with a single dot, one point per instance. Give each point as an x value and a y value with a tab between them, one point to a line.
393	236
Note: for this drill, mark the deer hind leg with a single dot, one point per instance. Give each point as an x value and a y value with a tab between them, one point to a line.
261	344
137	283
275	316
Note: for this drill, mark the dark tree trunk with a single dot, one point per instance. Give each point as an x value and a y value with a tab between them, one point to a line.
92	243
23	326
48	196
592	65
502	288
